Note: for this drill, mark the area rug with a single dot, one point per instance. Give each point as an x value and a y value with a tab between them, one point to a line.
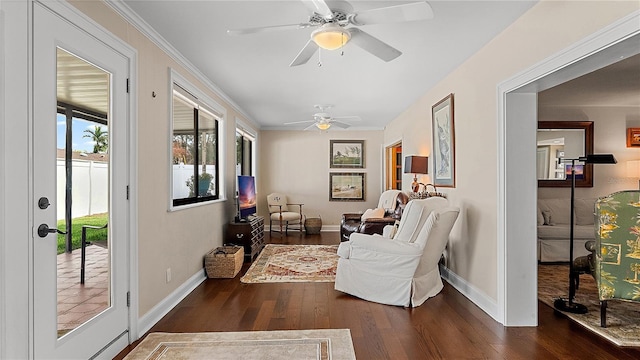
623	318
334	344
294	263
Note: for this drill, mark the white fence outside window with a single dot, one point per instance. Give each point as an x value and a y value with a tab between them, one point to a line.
90	190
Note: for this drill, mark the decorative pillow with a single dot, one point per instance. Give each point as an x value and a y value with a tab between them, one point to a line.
546	214
372	214
540	217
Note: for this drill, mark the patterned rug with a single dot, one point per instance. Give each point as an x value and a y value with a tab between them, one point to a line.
623	318
266	345
294	263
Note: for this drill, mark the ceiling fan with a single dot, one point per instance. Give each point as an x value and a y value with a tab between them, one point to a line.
337	24
323	121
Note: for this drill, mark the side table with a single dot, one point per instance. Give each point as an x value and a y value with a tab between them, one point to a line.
249	234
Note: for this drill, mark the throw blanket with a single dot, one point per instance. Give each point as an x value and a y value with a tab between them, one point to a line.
388	200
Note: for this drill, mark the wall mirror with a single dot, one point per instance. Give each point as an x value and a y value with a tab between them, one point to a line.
558	141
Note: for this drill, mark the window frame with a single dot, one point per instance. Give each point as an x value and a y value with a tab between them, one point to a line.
205	103
252	138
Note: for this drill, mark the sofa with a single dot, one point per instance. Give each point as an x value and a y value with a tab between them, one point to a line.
553	218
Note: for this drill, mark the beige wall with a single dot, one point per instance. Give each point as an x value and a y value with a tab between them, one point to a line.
610	126
297	163
178	239
546	29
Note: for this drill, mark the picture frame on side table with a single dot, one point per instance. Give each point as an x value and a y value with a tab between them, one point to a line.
443	139
346	154
347	186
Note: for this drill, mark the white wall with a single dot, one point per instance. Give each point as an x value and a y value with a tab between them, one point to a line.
297	163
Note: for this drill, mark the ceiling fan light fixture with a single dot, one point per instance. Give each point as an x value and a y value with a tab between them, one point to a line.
323	125
331	36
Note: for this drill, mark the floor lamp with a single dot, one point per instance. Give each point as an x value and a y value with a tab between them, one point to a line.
569	305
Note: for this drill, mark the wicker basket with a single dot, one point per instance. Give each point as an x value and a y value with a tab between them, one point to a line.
224	262
313	225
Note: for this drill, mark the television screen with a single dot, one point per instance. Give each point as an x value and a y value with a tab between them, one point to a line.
246	195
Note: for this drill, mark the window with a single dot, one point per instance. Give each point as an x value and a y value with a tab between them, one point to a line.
244	152
194	149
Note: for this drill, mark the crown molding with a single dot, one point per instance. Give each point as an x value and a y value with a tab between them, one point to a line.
147	30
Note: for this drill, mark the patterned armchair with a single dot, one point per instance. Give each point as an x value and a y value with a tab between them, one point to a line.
617	251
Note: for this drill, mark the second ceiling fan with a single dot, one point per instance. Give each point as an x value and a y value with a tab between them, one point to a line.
337	24
323	120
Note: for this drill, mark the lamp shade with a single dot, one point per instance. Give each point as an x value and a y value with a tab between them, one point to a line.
633	168
416	165
599	159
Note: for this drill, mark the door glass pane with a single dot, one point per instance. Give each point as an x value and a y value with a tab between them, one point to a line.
82	184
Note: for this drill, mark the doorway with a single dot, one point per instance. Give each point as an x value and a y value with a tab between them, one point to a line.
393	164
80	181
517	188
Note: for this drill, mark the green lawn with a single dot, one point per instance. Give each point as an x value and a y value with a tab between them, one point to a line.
76	230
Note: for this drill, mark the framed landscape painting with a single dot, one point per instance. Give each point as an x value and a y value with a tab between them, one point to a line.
443	138
346	186
346	153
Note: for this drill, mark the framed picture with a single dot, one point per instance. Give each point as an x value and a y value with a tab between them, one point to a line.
633	137
443	137
346	154
346	186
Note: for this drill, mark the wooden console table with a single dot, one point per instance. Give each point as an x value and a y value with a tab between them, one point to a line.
249	234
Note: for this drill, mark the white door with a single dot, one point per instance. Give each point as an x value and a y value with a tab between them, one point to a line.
79	95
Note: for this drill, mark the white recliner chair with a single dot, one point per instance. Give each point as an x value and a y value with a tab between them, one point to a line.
402	270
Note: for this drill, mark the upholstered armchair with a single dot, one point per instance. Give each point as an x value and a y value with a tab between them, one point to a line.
391	204
280	214
617	249
402	270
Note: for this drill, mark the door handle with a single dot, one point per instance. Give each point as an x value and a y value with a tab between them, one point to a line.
44	230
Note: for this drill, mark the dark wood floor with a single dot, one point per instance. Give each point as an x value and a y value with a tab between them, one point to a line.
447	326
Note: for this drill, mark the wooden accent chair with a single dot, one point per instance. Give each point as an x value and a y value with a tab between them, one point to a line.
280	214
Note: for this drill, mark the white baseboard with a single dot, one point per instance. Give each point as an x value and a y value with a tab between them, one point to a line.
485	303
163	307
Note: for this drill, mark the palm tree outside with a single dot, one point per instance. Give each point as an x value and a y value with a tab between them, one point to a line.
100	138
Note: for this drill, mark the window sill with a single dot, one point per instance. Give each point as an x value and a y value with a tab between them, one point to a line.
173	208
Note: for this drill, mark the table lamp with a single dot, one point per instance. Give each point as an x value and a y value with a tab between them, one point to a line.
416	165
633	169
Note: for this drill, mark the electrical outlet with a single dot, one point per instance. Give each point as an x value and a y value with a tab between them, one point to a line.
168	275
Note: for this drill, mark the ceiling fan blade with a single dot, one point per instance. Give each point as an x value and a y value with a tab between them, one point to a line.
350	118
261	29
340	124
310	127
319	7
305	54
373	45
393	14
299	122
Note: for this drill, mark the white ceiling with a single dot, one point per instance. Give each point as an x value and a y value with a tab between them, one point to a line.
253	69
615	85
